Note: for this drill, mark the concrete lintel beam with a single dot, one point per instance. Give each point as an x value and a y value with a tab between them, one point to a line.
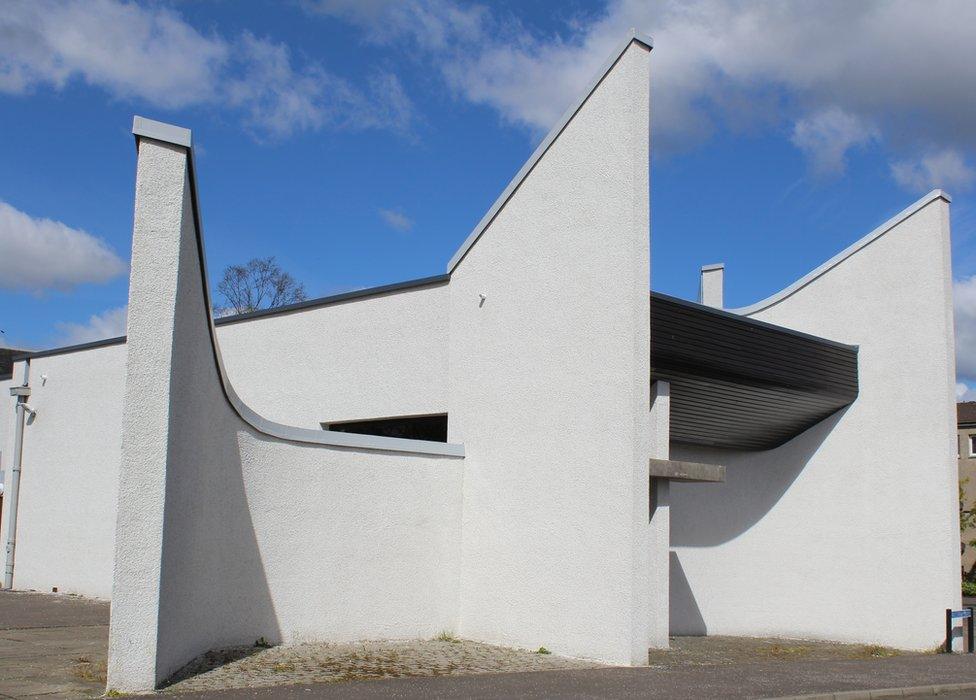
686	471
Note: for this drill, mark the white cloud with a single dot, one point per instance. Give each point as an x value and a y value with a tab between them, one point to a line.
715	61
826	137
396	220
965	392
131	51
432	24
109	324
39	254
279	99
946	169
150	53
964	296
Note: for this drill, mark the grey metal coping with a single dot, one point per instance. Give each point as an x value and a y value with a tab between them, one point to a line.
632	36
714	266
369	292
31	354
377	291
145	128
168	133
256	315
751	321
843	255
336	299
161	131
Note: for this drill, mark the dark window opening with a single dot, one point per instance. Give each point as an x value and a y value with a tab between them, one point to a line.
432	428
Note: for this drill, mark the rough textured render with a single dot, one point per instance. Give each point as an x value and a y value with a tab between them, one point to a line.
226	535
283	365
849	531
300	369
712	285
69	484
659	493
549	391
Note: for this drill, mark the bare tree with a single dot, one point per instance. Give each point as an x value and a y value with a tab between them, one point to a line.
260	284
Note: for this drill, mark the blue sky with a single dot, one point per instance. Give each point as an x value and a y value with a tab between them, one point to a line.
360	141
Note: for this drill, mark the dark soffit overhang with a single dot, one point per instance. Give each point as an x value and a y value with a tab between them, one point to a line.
744	384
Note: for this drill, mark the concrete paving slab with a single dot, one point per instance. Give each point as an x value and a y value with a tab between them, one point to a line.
19	609
52	646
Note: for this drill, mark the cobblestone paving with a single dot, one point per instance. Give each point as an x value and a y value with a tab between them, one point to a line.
254	667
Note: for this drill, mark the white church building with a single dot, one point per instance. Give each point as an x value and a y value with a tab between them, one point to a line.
529	450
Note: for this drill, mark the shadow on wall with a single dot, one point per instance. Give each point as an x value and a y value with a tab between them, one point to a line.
685	615
706	515
224	572
214	589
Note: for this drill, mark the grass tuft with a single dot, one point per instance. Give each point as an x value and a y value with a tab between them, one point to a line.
90	673
779	651
874	651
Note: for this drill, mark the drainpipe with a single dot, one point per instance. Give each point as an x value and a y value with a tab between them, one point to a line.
21	392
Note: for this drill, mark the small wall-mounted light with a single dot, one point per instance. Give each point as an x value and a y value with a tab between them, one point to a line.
43	379
483	297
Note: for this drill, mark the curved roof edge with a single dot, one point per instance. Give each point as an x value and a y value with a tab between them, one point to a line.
632	36
842	256
158	131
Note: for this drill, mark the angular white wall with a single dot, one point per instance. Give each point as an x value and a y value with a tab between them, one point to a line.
225	534
316	542
549	390
849	531
384	355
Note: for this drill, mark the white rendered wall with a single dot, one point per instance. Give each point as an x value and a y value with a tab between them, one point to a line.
7	446
849	531
367	358
7	425
69	480
550	391
712	285
374	357
659	627
226	535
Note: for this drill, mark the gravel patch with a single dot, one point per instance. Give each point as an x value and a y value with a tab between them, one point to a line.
256	667
688	652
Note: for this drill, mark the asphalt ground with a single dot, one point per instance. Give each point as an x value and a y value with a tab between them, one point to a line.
54	646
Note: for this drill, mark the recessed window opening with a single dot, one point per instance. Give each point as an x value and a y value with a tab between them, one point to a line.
972	445
432	428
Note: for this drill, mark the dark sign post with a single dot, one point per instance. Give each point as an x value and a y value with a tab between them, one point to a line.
967	615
